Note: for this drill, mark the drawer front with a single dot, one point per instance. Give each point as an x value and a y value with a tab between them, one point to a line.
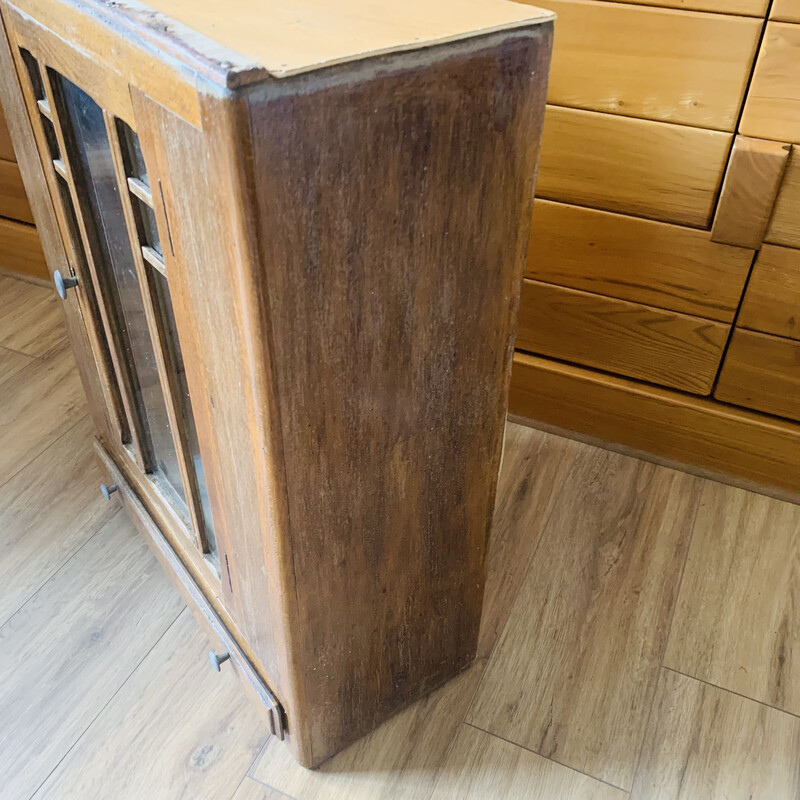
784	227
762	372
654	63
635	166
21	250
13	200
785	10
654	263
772	301
772	108
629	339
6	148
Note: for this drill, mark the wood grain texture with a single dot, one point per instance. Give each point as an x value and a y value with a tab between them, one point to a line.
772	300
6	147
653	63
415	223
79	638
762	372
783	227
21	250
689	430
772	109
649	169
206	755
644	261
617	336
253	790
31	320
480	766
748	8
754	174
736	624
705	742
13	200
785	10
606	576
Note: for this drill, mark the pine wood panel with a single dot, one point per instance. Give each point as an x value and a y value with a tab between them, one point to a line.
6	147
752	8
783	227
772	109
605	576
749	191
772	301
762	372
736	624
654	63
636	166
617	336
13	200
694	431
21	250
705	742
785	10
79	638
644	261
500	769
31	319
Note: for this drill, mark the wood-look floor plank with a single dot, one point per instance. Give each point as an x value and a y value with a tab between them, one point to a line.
737	621
704	742
574	672
11	363
176	730
481	766
66	652
31	321
47	511
398	761
250	789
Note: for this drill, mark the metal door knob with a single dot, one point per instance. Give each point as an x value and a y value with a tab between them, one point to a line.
217	659
62	283
107	491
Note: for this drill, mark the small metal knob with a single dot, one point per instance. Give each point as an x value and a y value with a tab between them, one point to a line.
62	284
107	491
217	658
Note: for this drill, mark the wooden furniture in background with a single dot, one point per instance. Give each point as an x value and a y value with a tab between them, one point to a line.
662	266
291	258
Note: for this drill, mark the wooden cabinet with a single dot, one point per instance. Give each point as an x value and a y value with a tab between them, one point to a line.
291	257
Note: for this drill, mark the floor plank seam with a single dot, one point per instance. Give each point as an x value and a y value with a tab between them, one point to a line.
270	786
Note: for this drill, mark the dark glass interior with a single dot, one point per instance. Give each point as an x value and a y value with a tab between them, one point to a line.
34	74
50	135
146	222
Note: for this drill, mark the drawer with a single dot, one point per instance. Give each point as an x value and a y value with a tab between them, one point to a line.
13	200
783	226
654	63
772	108
772	301
654	263
785	10
21	250
762	372
635	166
630	339
6	148
747	8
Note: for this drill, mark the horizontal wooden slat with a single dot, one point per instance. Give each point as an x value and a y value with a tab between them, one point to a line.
654	63
629	339
762	372
783	226
772	108
772	301
636	166
6	148
785	10
694	431
21	250
746	8
655	263
13	200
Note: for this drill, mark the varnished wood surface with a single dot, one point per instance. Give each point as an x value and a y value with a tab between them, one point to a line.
21	250
107	689
6	147
752	8
13	200
783	227
785	10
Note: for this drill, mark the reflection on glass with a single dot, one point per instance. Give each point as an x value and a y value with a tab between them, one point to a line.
96	183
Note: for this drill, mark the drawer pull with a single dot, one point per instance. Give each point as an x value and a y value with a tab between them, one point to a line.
63	284
107	491
217	659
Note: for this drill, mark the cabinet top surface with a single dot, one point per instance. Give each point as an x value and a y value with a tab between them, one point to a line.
287	37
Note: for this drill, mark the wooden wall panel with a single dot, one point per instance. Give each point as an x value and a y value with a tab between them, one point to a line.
617	336
654	63
762	372
784	227
785	10
21	250
636	166
655	263
772	301
13	200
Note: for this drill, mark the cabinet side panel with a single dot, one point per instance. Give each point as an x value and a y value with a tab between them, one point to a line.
394	204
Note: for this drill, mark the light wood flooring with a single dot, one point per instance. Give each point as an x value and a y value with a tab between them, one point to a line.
641	634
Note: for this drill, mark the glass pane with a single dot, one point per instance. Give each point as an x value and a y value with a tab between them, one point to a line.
97	185
132	153
176	362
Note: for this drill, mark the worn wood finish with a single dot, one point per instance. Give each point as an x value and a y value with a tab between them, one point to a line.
21	250
636	166
704	742
785	10
644	261
13	200
762	372
772	110
617	336
772	301
606	575
729	629
754	174
653	63
689	430
783	227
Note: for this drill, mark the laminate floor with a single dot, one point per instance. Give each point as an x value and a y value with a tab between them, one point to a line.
640	638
